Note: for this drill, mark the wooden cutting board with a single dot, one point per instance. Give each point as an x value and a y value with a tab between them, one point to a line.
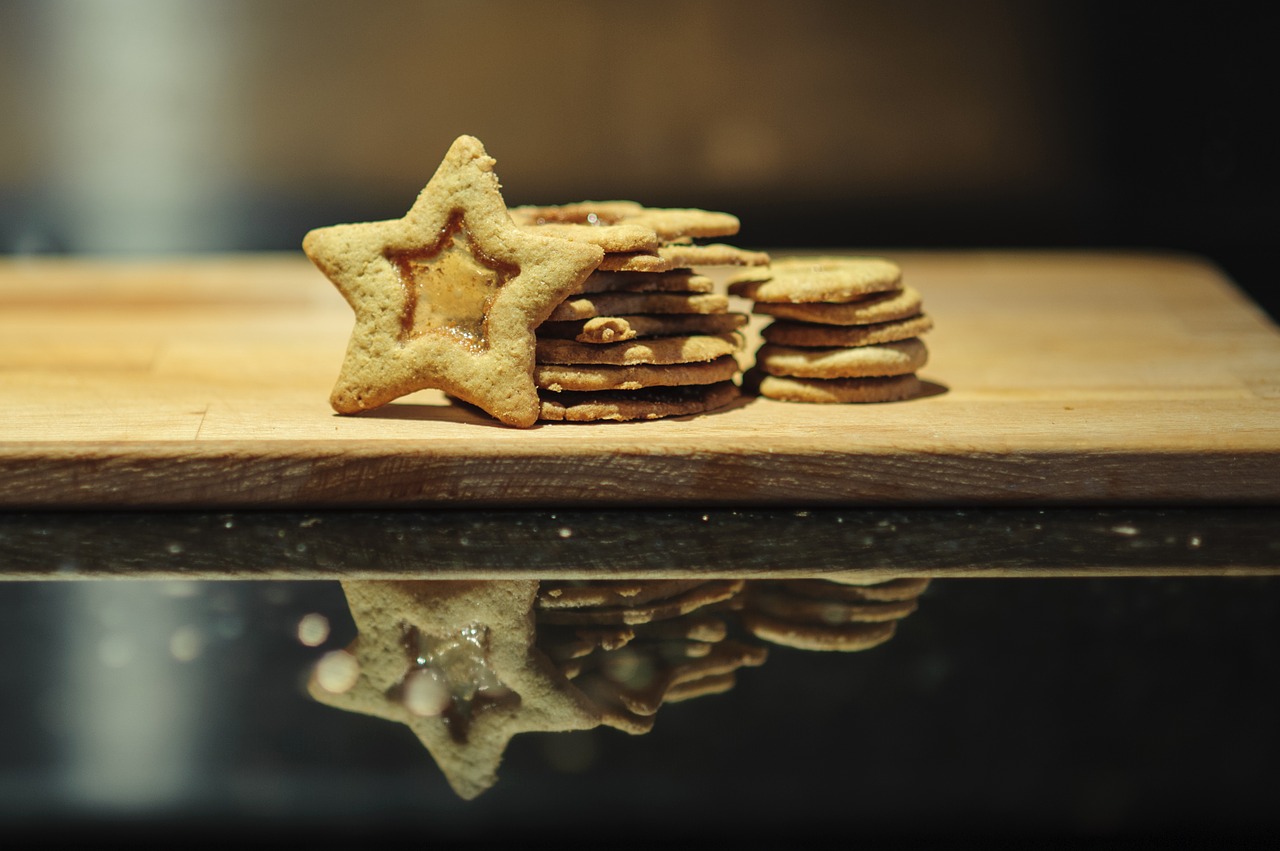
1055	378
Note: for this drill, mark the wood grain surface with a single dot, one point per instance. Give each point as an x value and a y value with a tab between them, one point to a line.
1055	378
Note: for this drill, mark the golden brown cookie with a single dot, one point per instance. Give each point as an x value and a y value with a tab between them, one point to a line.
883	307
819	279
611	238
648	404
612	304
590	378
675	281
448	296
668	224
895	388
899	358
791	333
617	329
654	350
683	256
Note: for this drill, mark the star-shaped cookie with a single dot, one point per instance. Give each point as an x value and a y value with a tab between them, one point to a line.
448	296
456	662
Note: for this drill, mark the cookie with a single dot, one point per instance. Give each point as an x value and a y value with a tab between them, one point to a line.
648	404
882	307
617	329
610	238
592	378
675	281
820	279
449	295
790	333
784	388
662	350
591	305
670	257
668	224
900	358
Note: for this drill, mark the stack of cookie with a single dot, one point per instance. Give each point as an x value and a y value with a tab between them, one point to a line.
647	337
845	329
631	646
821	614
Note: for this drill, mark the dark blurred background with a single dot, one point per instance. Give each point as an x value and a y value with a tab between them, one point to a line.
175	125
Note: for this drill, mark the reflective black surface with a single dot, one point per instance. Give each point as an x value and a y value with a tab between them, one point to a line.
1074	707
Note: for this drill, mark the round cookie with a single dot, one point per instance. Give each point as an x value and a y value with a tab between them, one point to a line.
820	279
612	304
617	329
611	238
649	404
900	358
670	257
656	350
561	377
810	334
675	281
668	224
894	388
881	307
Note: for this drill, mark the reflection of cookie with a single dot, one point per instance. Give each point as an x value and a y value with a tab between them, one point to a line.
805	636
650	403
448	296
655	350
616	329
883	307
791	333
780	602
560	377
813	614
587	593
615	303
853	588
784	388
683	256
668	605
469	648
820	279
899	358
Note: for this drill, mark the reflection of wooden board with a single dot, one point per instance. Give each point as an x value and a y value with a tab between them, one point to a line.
1055	378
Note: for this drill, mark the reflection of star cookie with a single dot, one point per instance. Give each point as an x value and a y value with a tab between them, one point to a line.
456	662
447	297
